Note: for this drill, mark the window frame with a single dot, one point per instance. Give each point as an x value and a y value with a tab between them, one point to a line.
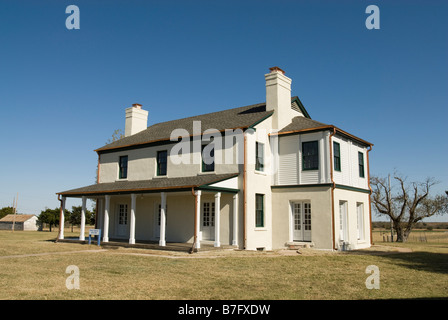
158	169
316	160
259	159
259	212
337	164
360	220
207	167
123	170
361	170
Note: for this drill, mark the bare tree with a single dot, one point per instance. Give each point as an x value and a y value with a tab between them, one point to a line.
407	205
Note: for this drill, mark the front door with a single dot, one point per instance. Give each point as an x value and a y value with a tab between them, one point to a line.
301	221
208	221
122	219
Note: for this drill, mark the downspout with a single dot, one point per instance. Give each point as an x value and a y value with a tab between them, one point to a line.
244	191
370	194
333	185
60	218
97	181
195	237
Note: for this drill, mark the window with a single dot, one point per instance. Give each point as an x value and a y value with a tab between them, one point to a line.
208	217
123	167
361	164
343	220
208	158
310	156
259	156
259	210
161	163
360	220
337	156
123	214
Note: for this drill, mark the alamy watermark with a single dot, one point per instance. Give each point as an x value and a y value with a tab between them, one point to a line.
73	20
373	280
72	281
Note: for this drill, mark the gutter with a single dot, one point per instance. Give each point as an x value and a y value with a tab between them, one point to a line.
370	188
327	127
244	191
195	237
60	218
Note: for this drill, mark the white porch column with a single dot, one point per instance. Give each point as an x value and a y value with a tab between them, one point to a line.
61	223
197	215
106	219
83	219
132	225
217	218
100	216
162	240
235	220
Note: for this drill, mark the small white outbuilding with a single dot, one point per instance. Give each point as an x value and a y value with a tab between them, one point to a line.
26	222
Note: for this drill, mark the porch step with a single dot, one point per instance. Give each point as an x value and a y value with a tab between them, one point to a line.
299	245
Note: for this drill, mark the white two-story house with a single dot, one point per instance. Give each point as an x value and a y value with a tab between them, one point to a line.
258	177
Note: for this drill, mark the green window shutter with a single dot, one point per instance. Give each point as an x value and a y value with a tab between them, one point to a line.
123	167
259	210
259	156
361	164
208	160
162	157
337	156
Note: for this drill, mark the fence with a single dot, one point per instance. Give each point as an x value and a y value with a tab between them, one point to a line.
420	236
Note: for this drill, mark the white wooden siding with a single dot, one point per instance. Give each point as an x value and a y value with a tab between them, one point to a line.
349	174
288	160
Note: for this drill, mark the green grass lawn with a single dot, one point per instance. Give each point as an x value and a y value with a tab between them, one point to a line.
140	274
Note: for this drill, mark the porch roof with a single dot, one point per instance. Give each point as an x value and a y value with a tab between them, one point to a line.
147	186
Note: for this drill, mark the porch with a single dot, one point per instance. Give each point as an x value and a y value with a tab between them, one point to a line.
151	245
177	217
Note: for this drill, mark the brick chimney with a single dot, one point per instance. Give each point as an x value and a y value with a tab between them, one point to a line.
136	120
278	97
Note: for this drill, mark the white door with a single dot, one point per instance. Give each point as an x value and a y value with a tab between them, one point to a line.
122	219
158	209
301	220
208	221
343	220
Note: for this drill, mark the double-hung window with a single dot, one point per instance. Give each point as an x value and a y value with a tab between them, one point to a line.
162	157
123	167
337	156
310	155
208	158
259	156
361	164
259	210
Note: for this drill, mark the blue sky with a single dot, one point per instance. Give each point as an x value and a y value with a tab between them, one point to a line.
63	92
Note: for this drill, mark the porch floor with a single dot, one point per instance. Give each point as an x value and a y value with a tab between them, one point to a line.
153	245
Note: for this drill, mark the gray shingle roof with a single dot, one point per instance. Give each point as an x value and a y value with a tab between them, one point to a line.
156	185
242	117
302	123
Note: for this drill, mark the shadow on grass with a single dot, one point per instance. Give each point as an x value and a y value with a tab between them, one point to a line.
418	260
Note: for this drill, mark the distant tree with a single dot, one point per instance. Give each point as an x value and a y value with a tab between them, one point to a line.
75	216
50	217
117	135
406	204
5	211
